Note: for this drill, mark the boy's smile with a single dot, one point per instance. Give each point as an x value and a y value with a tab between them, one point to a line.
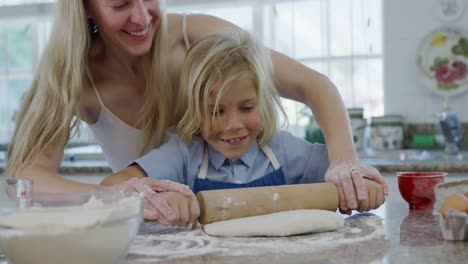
236	122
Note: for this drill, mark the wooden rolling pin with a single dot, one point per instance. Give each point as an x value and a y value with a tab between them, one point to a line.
220	205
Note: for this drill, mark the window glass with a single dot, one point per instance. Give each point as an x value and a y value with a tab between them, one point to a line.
281	25
239	15
339	38
19	48
340	28
4	112
368	85
367	24
16	67
309	31
341	74
22	2
3	61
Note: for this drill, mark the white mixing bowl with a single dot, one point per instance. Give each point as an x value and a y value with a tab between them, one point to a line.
92	228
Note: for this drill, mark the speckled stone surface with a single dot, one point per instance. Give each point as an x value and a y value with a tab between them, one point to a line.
409	237
422	166
403	236
82	167
416	160
181	246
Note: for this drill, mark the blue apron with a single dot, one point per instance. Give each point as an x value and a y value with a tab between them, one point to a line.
273	178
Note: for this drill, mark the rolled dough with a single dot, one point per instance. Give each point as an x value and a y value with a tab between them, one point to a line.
285	223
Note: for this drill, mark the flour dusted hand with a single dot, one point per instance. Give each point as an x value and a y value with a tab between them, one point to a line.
157	206
186	209
349	180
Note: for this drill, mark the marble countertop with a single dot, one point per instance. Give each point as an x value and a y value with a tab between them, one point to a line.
384	161
390	234
100	166
391	166
415	160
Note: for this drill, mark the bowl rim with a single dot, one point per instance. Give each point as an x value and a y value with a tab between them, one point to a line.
97	194
66	201
11	205
423	174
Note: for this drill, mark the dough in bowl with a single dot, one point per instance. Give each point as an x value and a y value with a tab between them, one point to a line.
285	223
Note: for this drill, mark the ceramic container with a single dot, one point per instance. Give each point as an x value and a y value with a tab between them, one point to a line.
417	188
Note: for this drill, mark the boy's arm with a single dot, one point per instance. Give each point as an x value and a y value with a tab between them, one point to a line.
156	164
164	165
132	171
302	161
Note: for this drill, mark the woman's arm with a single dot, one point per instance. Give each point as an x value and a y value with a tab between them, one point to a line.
298	82
43	171
130	172
167	210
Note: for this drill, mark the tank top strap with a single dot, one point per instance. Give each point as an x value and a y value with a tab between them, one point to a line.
184	31
90	77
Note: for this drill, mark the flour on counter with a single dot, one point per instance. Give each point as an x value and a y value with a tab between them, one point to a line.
179	243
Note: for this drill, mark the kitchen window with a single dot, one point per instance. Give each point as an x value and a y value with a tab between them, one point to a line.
16	66
339	38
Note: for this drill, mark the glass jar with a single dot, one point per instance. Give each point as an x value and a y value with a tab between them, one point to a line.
358	125
386	132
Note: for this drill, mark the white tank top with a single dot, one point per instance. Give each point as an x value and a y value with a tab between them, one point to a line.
120	142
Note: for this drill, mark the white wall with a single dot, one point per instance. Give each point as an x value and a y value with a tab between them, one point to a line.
406	23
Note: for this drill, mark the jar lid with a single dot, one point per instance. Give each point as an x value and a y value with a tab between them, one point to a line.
356	112
388	120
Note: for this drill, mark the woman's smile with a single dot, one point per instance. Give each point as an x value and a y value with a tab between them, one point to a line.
138	34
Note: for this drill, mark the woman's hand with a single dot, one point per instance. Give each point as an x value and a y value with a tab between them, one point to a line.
348	178
167	209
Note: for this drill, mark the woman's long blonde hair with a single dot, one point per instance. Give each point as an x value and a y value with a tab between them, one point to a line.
211	64
51	110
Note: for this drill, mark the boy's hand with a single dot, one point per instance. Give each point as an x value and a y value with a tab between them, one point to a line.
186	210
376	197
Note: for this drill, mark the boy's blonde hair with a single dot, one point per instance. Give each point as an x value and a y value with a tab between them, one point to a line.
52	107
211	64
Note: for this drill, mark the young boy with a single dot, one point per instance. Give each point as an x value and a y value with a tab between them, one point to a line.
228	135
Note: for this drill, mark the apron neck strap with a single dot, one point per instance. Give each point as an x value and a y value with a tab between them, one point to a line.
271	156
204	166
266	149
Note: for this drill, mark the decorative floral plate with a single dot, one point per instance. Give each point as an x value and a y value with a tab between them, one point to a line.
442	59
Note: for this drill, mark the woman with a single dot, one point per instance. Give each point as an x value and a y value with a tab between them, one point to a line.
115	64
